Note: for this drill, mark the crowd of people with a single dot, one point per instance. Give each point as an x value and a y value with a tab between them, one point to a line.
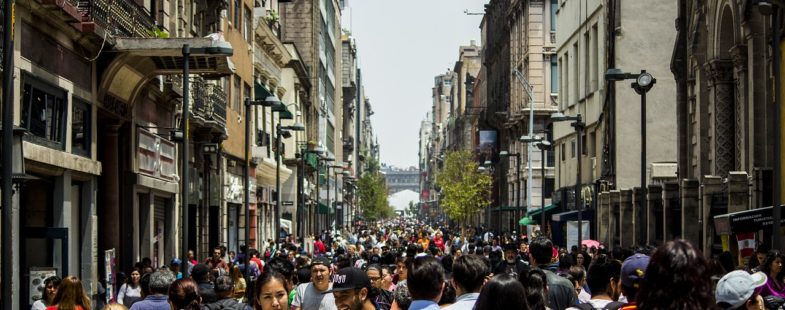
407	265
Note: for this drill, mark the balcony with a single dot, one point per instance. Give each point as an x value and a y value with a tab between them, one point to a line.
115	18
208	103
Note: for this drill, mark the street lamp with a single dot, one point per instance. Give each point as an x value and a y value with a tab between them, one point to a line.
542	143
220	48
577	123
326	159
301	189
644	81
518	181
279	131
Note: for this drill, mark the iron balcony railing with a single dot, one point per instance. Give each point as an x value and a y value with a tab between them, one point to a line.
208	101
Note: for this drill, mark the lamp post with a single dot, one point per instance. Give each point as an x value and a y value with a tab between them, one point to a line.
10	222
286	132
577	123
487	166
518	182
644	81
301	189
328	159
219	48
542	143
329	204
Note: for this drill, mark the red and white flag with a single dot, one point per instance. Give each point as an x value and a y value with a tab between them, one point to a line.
746	243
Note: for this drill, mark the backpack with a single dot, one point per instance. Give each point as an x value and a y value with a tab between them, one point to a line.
614	305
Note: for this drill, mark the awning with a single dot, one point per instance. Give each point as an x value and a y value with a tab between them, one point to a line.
323	209
525	221
535	212
745	221
586	214
265	172
261	92
207	56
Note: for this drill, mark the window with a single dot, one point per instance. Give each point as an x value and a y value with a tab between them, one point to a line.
236	94
554	75
247	26
586	56
562	152
43	113
330	138
576	71
549	159
80	128
237	14
595	60
565	85
584	146
592	144
572	144
554	8
246	94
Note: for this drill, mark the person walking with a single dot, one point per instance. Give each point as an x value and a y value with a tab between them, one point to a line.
385	298
313	295
50	290
184	295
70	296
468	276
604	281
224	288
131	292
503	291
736	290
676	278
158	299
632	272
772	267
561	292
425	280
271	292
352	290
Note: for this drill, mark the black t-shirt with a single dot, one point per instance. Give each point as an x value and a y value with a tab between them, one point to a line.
515	268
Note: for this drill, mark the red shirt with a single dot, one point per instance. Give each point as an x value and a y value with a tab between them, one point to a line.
318	247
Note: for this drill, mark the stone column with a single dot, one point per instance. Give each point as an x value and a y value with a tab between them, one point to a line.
722	88
613	230
109	212
89	264
603	217
739	55
690	211
63	217
653	203
670	201
638	216
711	185
623	224
738	191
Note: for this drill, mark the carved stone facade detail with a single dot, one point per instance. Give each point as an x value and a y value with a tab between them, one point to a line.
739	55
721	81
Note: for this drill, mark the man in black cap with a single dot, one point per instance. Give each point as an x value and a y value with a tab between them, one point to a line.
511	264
352	290
313	295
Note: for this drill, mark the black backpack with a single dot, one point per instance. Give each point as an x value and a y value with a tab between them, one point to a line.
614	305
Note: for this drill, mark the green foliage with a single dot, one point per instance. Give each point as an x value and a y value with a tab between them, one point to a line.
157	32
465	190
372	192
272	17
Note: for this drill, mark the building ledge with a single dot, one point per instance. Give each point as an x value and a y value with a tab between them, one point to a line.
60	159
167	54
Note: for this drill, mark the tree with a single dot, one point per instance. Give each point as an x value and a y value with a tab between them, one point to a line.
465	191
372	192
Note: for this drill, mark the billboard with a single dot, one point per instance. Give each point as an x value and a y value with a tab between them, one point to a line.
487	148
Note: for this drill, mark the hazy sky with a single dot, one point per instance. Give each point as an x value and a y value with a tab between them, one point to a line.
402	45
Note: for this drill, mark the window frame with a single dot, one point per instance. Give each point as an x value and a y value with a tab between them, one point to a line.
78	103
49	89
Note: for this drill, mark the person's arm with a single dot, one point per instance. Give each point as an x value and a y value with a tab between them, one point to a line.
298	298
121	294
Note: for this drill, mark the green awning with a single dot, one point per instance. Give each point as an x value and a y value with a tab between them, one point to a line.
286	115
312	159
261	92
323	209
525	221
534	212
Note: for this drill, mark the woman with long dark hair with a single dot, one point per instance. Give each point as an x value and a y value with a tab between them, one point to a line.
677	278
503	291
131	292
50	290
536	284
272	292
772	267
184	295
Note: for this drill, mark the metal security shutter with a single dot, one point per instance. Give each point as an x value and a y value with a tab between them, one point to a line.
159	206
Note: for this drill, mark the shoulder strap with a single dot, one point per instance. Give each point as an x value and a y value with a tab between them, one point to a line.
613	306
585	306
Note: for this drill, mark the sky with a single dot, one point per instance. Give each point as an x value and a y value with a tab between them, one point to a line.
402	45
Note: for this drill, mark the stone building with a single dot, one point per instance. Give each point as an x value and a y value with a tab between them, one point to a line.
723	66
592	37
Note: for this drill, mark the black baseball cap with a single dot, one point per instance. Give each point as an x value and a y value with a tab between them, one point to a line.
321	260
349	278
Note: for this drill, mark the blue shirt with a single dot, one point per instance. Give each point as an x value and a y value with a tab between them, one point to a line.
153	302
423	305
464	302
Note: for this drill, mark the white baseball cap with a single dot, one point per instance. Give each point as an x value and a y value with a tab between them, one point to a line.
737	286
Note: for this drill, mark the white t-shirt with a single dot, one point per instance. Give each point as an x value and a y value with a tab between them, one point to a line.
309	298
